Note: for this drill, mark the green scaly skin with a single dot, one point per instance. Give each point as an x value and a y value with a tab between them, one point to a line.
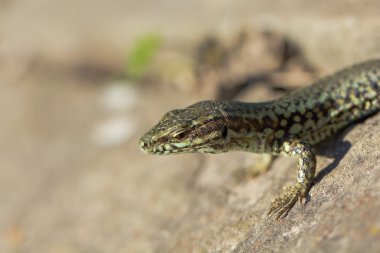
287	126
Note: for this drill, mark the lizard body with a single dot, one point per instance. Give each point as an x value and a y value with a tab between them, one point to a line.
289	126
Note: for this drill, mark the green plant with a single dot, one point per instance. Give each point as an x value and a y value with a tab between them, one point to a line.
141	55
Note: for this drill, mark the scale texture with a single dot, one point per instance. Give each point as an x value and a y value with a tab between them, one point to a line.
287	126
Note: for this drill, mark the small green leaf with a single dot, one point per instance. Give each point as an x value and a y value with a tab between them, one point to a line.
141	55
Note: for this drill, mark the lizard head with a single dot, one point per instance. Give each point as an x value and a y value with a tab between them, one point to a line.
201	127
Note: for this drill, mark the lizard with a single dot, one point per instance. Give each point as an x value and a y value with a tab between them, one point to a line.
290	125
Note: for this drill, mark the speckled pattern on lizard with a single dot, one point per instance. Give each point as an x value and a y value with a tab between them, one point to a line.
289	126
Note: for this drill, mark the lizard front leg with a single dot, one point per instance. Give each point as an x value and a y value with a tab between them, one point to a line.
306	170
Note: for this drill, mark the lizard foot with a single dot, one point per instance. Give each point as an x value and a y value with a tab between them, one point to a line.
284	202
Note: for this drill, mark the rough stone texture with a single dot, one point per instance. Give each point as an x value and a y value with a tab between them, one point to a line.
62	192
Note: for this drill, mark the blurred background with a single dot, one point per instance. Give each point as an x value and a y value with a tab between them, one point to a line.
81	81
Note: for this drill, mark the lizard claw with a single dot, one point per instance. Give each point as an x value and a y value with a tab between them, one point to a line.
284	202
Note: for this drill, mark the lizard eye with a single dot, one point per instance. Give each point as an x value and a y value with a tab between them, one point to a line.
181	135
224	132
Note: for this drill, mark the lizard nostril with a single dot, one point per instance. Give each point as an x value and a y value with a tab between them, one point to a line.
143	144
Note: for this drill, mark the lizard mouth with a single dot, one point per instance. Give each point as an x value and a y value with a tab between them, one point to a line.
151	147
158	149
